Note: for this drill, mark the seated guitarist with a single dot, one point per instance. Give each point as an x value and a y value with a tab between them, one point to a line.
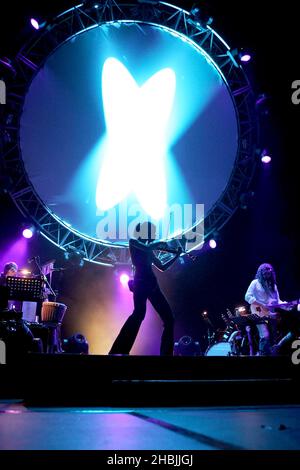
261	295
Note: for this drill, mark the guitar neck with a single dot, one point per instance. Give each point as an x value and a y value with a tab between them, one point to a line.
262	311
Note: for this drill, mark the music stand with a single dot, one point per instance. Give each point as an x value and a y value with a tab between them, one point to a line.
26	289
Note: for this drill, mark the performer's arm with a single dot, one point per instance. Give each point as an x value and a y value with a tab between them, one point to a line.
283	303
161	246
139	245
164	266
250	296
278	297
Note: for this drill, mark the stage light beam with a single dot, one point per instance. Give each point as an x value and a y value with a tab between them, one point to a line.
136	147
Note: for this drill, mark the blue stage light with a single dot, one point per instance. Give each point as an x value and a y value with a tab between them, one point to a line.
136	119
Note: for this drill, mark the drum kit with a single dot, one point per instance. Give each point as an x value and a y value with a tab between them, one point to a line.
238	338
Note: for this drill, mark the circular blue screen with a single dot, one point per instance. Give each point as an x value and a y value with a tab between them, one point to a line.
128	120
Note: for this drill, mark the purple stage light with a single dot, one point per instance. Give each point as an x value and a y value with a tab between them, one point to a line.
27	233
245	57
213	244
124	278
17	250
266	159
34	23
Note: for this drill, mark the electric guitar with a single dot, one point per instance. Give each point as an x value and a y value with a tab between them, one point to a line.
266	310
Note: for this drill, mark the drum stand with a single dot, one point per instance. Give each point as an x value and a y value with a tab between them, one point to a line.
54	337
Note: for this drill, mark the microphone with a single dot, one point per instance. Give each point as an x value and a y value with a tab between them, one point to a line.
30	260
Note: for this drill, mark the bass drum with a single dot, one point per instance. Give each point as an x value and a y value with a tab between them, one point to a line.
219	349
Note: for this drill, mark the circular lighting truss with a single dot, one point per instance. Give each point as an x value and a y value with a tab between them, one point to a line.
90	15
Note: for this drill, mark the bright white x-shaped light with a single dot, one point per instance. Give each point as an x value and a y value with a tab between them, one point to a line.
136	142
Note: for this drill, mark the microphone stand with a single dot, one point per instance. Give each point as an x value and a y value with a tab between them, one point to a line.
210	330
39	304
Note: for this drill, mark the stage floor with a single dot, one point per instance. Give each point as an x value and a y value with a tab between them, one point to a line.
207	428
67	380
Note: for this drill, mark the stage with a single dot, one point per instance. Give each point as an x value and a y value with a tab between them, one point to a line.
86	402
148	198
173	429
94	380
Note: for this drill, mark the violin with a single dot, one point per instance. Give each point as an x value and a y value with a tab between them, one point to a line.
163	246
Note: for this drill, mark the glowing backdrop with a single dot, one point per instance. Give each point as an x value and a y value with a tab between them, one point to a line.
127	114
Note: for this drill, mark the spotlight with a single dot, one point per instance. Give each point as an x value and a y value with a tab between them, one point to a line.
28	232
265	157
245	56
239	55
123	273
212	243
214	240
34	23
124	278
76	344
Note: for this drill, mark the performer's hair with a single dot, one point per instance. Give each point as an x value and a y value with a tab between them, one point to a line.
9	266
268	284
145	230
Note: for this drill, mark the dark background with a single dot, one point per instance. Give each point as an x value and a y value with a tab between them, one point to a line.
265	232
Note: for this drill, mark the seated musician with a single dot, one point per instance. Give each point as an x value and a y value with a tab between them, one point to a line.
18	336
261	294
10	269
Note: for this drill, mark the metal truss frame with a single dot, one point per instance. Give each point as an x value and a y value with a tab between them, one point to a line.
76	20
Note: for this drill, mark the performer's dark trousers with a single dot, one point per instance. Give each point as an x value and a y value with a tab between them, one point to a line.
130	329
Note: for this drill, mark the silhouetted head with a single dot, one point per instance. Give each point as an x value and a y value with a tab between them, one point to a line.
10	269
145	232
266	276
